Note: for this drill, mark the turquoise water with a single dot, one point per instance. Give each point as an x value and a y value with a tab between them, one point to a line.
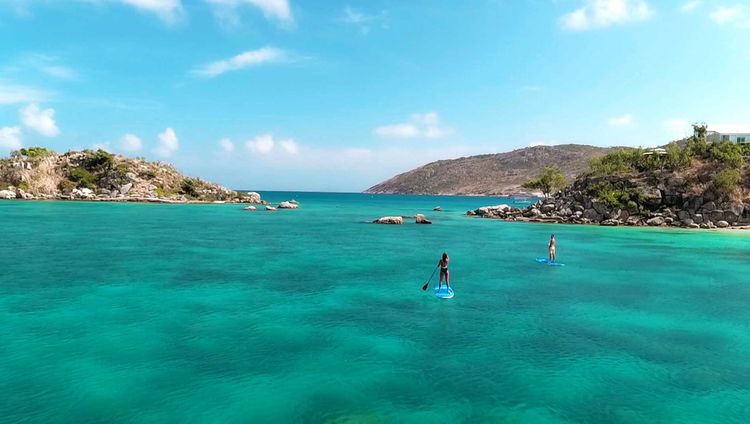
125	313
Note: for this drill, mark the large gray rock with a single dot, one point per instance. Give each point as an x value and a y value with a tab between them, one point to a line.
548	208
610	222
652	196
288	205
709	206
389	220
125	188
731	217
698	218
252	197
7	194
722	224
655	221
716	215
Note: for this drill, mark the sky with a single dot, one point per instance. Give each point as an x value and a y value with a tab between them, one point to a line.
340	95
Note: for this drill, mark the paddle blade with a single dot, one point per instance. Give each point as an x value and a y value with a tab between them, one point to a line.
424	288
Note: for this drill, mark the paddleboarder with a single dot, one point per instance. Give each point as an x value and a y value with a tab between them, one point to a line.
444	274
551	246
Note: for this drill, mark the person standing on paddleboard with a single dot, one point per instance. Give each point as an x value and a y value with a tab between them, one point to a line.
444	274
552	255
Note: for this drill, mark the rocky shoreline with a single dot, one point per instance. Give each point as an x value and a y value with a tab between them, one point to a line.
660	207
88	195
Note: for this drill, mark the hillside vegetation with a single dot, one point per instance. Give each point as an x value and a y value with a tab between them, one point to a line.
492	174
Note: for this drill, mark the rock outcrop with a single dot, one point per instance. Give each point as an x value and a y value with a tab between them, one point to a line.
420	219
665	205
39	173
288	205
397	220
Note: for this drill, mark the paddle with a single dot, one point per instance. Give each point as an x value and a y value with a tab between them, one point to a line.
424	288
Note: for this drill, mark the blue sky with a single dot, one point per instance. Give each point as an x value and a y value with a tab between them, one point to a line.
339	95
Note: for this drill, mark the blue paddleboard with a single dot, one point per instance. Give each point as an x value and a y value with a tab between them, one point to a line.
545	261
444	293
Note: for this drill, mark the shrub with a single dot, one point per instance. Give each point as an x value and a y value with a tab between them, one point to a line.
190	187
677	157
745	148
66	186
34	152
726	181
615	195
83	177
98	161
23	185
550	181
728	153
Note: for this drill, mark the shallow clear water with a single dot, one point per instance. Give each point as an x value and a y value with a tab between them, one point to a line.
207	313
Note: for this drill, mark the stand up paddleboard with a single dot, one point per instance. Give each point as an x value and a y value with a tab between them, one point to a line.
444	293
545	261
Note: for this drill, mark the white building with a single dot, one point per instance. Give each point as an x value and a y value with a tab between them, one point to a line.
733	133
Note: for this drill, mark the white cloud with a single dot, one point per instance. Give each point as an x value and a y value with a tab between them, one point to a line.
278	10
226	145
241	61
360	19
605	13
677	127
262	144
621	121
10	138
48	65
131	143
289	146
167	144
14	94
169	11
41	121
690	6
738	15
421	125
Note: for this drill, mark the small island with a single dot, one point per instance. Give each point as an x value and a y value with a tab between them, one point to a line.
38	173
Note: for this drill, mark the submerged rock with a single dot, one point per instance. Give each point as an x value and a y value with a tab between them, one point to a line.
270	208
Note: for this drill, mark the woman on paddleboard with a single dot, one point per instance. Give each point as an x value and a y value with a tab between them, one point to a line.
444	274
551	246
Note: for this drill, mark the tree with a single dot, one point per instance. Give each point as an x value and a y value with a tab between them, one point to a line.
549	182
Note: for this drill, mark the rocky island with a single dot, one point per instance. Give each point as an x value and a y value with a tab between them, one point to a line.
38	173
690	184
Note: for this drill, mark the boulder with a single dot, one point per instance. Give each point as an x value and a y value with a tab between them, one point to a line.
709	206
722	224
125	188
655	221
437	209
668	220
252	197
420	219
131	176
600	208
730	216
688	222
389	220
548	208
698	218
270	208
288	205
716	215
652	197
7	194
249	208
693	225
578	208
610	223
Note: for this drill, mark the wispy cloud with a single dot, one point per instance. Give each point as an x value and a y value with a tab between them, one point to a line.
276	10
360	19
690	6
14	94
10	138
40	120
169	11
605	13
167	144
226	145
738	15
420	125
677	127
243	60
621	121
131	143
265	144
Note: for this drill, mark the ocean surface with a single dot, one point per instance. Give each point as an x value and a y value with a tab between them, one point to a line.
145	313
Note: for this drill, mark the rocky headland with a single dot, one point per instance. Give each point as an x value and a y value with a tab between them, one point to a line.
692	184
96	175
